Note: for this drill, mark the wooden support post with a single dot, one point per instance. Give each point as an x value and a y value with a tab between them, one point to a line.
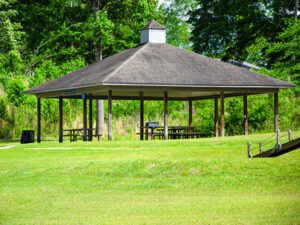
84	121
147	133
142	119
275	111
90	119
190	116
216	117
60	120
109	116
260	147
166	115
38	124
290	135
222	114
249	150
245	115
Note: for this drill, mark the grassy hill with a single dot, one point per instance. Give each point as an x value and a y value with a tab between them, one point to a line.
204	181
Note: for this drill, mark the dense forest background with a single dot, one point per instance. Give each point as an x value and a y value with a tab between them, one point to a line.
45	39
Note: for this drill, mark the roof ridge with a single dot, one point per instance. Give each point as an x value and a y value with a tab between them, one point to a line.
125	62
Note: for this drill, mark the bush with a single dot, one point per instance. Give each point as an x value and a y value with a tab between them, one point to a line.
14	90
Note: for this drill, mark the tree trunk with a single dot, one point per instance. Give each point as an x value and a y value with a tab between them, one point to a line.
295	16
98	57
296	9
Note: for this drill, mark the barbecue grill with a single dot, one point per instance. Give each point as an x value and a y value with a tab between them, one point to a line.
152	125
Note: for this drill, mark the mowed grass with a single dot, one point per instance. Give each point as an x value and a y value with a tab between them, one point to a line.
204	181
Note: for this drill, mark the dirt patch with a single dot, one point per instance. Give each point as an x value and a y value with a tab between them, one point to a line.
195	171
152	165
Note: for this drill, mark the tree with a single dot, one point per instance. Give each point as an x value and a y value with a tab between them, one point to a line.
287	49
225	29
98	57
175	18
10	39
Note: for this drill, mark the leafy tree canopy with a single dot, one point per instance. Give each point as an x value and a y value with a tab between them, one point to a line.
226	29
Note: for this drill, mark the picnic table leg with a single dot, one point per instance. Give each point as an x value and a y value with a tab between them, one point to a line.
146	135
152	134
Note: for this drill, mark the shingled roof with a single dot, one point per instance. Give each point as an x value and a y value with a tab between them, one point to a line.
158	64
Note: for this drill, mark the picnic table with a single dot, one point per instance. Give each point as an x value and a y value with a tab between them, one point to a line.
74	133
174	132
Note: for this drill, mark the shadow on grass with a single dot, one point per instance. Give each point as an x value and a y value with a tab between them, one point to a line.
3	141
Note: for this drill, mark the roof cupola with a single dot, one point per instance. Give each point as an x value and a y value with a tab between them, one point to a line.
153	32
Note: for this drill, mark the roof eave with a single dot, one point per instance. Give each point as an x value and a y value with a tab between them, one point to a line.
160	85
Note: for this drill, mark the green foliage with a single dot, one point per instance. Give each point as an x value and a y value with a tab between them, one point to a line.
10	39
49	70
257	52
128	18
260	113
14	90
287	50
3	111
234	116
175	17
4	118
103	25
225	29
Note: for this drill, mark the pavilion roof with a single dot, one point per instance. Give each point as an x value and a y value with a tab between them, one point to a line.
160	64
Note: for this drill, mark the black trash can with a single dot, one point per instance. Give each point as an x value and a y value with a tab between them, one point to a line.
27	136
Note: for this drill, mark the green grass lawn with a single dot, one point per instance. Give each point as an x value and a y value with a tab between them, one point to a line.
204	181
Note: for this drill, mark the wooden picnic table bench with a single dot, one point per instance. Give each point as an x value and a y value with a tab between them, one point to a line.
175	132
160	135
74	133
185	135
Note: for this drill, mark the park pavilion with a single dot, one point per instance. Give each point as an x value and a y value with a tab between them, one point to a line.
154	70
